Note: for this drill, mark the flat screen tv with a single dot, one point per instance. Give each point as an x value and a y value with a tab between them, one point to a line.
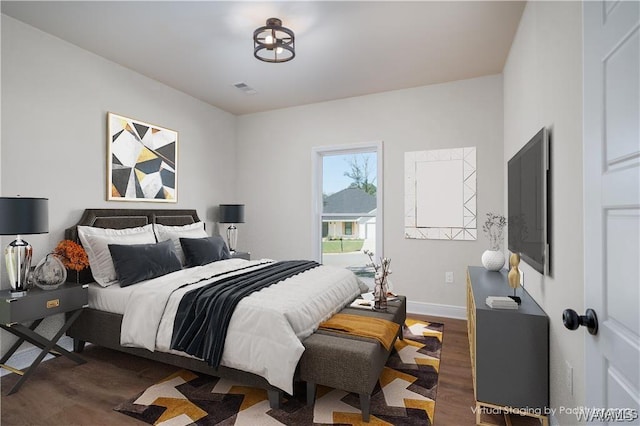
527	204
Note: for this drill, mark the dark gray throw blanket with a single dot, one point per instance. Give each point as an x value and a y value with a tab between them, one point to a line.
203	316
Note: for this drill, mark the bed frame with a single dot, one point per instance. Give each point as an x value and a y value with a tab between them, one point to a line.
103	328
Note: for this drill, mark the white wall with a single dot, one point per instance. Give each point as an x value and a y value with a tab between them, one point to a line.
543	87
0	109
274	173
55	99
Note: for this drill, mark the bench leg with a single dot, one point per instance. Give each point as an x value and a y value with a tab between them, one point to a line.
311	393
365	406
78	345
274	399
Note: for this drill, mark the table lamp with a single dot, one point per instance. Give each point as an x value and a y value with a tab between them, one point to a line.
232	214
18	216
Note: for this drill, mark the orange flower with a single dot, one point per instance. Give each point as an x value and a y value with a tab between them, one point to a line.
72	255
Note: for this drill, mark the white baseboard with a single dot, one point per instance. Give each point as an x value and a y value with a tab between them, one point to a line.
446	311
23	359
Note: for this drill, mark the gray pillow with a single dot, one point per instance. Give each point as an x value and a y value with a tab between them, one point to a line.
200	251
138	262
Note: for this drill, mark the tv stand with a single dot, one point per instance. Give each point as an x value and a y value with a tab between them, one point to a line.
509	350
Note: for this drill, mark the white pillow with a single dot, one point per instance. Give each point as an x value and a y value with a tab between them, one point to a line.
96	243
174	233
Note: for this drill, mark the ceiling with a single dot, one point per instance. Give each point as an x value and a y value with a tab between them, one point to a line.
343	49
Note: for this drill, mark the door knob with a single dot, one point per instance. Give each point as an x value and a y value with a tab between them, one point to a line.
572	320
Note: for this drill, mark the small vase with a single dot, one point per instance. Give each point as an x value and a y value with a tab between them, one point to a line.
50	273
493	260
380	294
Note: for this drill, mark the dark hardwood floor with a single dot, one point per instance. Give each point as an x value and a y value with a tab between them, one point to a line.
63	393
455	385
60	392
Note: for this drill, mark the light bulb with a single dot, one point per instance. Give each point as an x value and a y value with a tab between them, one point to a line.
271	41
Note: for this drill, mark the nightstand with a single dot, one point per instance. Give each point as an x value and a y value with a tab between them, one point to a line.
241	255
35	306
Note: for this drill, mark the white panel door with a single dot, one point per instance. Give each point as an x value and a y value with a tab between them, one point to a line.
612	207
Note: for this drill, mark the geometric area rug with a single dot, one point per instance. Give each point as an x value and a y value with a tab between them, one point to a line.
404	395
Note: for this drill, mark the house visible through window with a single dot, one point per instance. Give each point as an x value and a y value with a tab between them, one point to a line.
348	219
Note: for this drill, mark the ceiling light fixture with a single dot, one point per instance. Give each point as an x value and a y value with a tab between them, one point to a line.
273	42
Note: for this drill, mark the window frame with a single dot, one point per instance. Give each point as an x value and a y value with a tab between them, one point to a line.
348	230
317	154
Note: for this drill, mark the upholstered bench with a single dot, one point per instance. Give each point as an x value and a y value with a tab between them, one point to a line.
346	362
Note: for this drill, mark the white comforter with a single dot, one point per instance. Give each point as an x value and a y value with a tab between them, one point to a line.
266	329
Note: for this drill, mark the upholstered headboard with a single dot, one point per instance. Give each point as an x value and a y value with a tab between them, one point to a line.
127	218
130	218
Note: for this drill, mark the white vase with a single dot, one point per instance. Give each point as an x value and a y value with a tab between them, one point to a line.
493	260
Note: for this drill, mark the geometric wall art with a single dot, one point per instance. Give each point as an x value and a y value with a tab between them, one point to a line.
440	194
142	161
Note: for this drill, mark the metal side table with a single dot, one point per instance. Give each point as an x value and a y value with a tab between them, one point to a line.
35	306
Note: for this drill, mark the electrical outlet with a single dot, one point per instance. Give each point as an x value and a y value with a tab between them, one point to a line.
569	377
448	277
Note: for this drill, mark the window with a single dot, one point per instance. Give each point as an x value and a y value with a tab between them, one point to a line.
348	228
348	206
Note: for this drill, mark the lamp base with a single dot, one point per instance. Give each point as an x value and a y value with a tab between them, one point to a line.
17	257
232	237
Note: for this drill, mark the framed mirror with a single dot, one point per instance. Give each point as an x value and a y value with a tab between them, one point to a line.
440	194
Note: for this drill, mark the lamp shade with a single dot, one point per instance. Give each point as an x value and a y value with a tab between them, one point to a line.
24	215
231	213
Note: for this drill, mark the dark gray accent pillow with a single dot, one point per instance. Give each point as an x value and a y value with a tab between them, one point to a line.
200	251
138	262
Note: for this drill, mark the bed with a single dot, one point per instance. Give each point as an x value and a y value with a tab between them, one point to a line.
102	322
